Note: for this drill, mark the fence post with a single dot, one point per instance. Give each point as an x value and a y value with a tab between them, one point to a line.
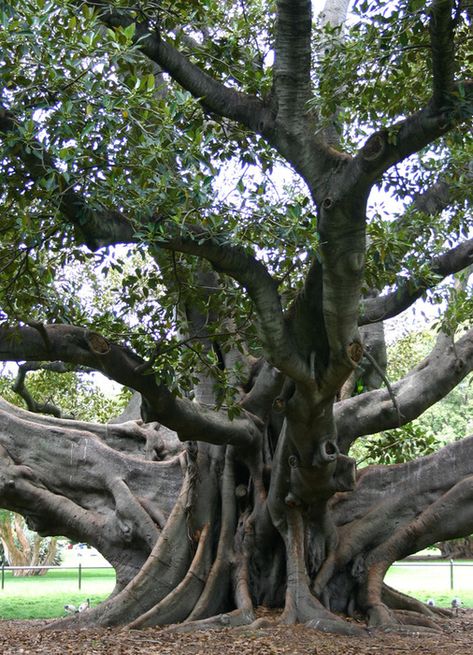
451	574
3	575
80	576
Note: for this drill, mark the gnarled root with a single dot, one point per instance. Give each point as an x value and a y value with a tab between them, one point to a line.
396	600
382	618
237	618
301	605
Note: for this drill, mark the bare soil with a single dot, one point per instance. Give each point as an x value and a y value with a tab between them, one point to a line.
30	638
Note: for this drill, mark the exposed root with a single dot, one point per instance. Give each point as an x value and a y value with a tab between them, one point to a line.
396	600
237	618
305	608
213	597
167	562
178	604
380	616
406	617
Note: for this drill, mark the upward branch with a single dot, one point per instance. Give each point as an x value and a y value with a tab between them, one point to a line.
451	102
411	288
443	51
292	61
389	146
212	94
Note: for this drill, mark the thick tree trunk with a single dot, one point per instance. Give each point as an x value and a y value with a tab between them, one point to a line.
195	539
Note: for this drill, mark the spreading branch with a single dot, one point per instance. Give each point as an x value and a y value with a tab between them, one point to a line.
440	372
212	94
391	145
293	134
412	288
97	227
111	227
80	346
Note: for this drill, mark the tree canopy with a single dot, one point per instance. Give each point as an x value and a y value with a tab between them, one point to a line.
218	205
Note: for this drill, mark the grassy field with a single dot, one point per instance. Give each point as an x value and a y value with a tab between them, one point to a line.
425	580
44	597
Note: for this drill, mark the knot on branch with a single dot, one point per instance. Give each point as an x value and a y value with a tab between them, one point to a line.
355	352
327	452
459	364
279	404
375	146
13	474
98	344
444	123
355	262
292	501
328	203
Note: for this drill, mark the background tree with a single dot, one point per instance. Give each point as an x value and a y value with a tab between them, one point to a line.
22	547
240	324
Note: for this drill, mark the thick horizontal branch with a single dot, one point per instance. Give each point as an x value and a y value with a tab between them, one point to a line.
444	368
412	288
81	346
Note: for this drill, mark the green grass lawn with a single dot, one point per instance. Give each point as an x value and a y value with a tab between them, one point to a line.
44	597
429	580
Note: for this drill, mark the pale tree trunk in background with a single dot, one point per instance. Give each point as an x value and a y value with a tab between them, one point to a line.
21	550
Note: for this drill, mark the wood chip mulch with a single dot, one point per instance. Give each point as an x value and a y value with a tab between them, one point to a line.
27	638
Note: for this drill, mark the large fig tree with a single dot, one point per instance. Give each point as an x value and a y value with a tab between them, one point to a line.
192	204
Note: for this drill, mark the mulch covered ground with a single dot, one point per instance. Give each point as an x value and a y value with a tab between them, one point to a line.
26	638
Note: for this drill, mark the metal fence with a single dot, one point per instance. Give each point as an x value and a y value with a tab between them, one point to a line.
451	564
79	568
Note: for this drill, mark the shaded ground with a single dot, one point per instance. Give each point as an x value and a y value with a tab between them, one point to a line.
25	638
